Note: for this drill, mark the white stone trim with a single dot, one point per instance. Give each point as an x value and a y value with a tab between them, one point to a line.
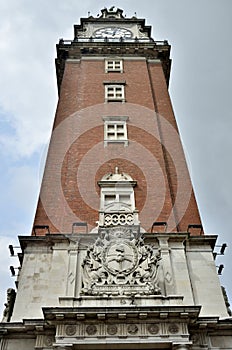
113	65
114	92
115	130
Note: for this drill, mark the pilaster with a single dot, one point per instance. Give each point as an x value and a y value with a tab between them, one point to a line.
166	265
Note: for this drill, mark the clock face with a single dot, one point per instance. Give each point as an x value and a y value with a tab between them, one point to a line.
112	32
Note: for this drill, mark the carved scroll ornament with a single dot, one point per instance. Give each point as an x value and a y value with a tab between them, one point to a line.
120	264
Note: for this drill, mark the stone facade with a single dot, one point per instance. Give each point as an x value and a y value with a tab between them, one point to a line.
118	287
84	270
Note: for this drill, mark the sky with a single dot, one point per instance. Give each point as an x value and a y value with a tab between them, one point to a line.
200	87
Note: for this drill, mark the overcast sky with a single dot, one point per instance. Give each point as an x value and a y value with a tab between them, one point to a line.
200	87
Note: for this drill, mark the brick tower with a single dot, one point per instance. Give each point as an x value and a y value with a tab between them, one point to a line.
114	111
117	256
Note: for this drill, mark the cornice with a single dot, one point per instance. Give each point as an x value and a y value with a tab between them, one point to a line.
152	50
187	314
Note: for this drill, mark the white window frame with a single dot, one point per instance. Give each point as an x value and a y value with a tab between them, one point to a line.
114	92
114	65
118	193
112	132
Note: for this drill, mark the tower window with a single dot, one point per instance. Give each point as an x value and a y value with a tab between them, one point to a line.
114	92
117	205
109	199
115	130
120	201
113	66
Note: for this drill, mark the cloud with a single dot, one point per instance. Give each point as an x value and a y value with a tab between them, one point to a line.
28	80
19	188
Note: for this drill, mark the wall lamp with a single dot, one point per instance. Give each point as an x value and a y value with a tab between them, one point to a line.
12	270
222	250
11	249
220	268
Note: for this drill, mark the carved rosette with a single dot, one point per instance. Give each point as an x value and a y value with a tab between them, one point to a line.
119	263
48	341
153	329
70	330
91	329
173	328
112	329
44	341
132	329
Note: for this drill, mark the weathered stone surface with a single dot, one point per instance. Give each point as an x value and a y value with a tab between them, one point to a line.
118	263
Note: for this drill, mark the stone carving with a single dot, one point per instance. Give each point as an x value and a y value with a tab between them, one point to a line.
153	328
112	329
48	341
119	263
91	329
173	328
195	339
44	341
123	327
132	329
141	33
118	219
199	339
9	305
70	330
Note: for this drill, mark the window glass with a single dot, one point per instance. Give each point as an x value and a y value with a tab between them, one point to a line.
114	66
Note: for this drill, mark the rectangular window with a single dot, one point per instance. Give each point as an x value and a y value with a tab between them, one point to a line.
115	129
109	198
125	198
114	66
114	92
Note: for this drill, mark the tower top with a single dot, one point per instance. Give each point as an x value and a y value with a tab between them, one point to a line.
114	18
112	33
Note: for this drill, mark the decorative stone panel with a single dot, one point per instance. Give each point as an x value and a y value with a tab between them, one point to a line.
118	219
44	341
119	263
199	338
111	329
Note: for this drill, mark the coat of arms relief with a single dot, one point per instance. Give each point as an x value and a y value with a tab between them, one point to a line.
120	263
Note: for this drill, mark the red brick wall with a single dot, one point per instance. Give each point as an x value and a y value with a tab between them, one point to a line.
77	158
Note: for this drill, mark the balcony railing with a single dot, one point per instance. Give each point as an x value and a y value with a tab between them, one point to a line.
113	40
